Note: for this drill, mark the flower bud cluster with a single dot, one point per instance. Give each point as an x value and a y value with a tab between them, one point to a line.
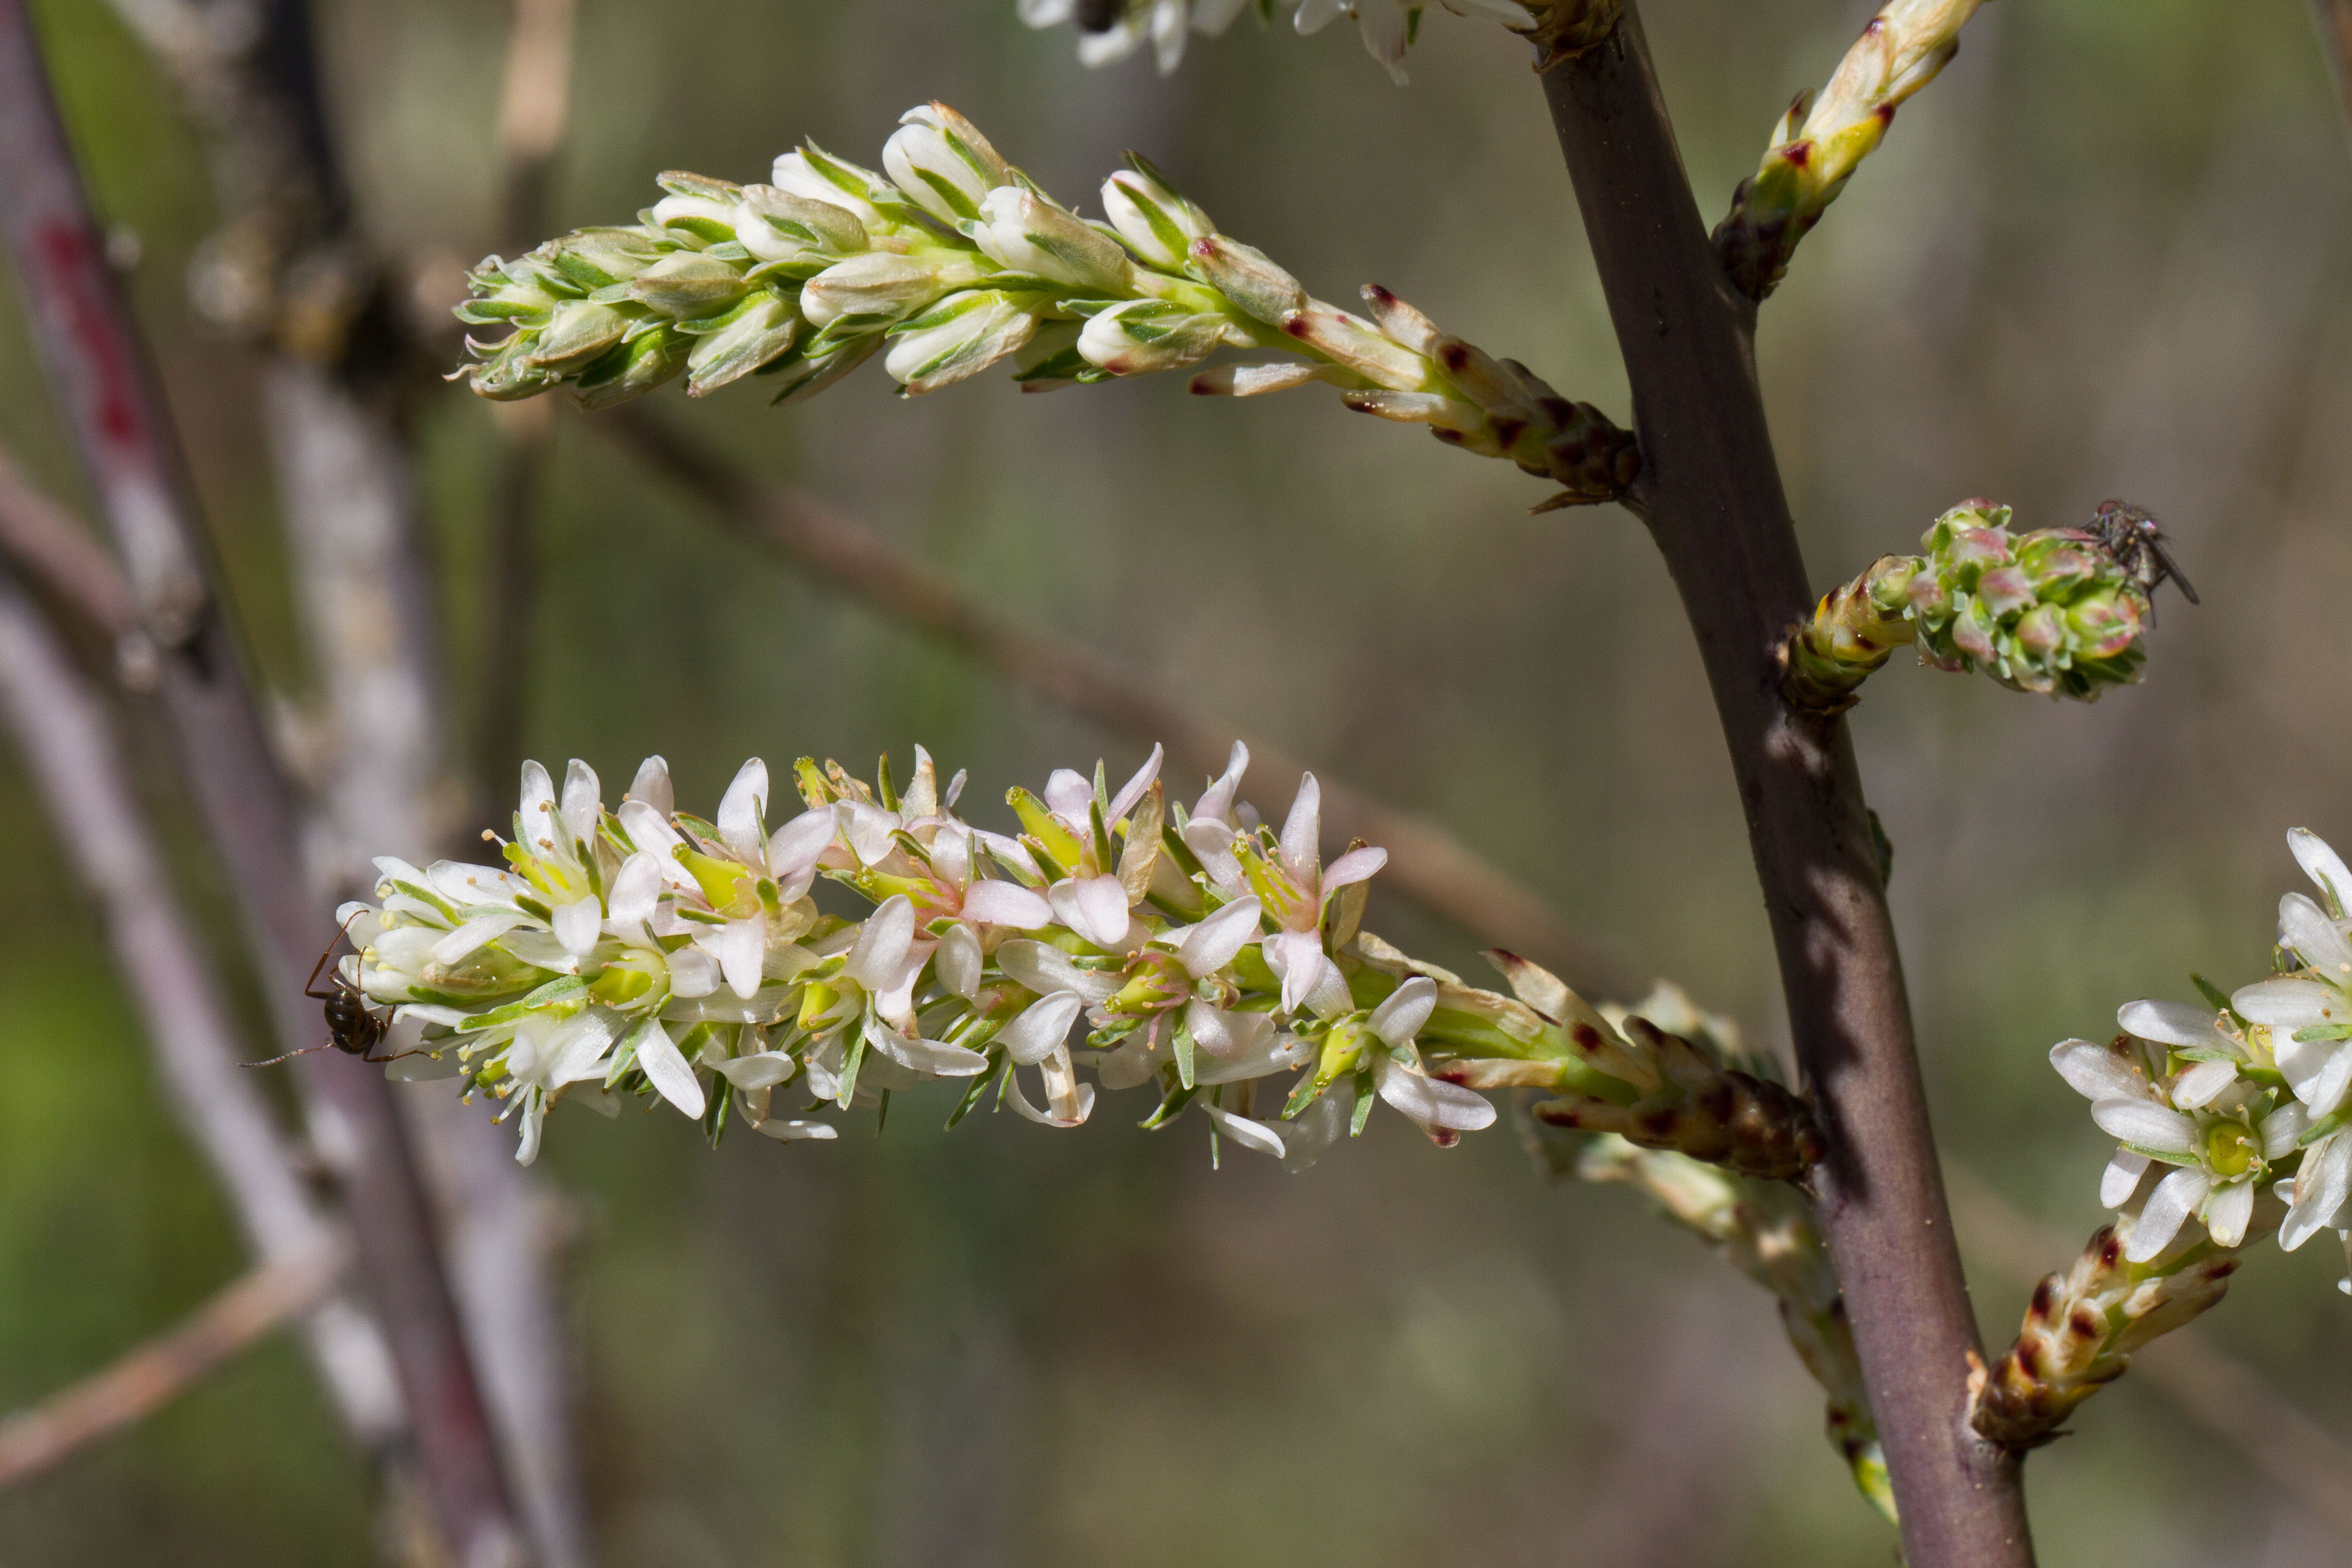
2243	1103
1766	1229
1628	1076
647	951
2053	611
952	261
1113	29
2083	1326
1822	140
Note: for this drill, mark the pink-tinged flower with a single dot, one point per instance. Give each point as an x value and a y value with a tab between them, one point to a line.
1293	886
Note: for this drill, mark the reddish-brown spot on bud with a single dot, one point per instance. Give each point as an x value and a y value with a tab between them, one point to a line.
1797	154
1586	1037
2044	1295
1375	295
2082	1324
1454	357
1296	325
1885	113
1658	1123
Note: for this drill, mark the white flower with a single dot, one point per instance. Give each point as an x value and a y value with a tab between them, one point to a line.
2220	1150
2308	1014
1293	884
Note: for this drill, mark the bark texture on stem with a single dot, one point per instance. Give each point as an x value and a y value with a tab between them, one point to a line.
96	364
1711	491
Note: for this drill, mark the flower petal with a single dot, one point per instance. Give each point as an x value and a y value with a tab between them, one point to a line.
1245	1130
785	1131
1297	957
934	1057
652	786
1133	789
1041	1028
1209	946
1045	969
2323	866
882	945
665	1067
1430	1102
1094	907
636	891
958	961
1070	797
761	1069
1400	1018
742	949
2096	1072
998	903
2227	1212
1302	831
741	811
2175	1197
2289	1003
2321	1189
1355	865
795	847
2202	1083
577	925
2120	1179
2306	928
583	802
2174	1024
482	928
1216	804
2148	1125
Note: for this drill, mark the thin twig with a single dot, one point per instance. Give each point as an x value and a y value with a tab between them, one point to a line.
37	1440
1426	862
1712	493
61	729
96	365
2205	1383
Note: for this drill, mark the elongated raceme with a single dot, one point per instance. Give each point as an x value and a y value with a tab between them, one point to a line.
953	262
1822	140
2052	612
647	951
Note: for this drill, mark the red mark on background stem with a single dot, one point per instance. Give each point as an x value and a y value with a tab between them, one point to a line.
68	253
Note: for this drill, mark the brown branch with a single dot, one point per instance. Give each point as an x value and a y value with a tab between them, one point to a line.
38	1440
91	352
1711	491
1426	863
2204	1382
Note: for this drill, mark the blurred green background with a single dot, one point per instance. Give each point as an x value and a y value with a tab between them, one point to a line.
2106	253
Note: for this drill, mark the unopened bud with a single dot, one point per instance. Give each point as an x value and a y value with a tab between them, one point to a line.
1244	274
1019	231
1156	222
1144	335
687	287
962	335
943	164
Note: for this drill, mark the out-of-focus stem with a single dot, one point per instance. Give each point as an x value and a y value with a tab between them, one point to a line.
61	559
96	367
1712	487
61	729
2334	20
292	268
1426	862
35	1441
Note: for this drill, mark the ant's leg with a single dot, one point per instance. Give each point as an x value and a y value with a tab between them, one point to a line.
310	986
289	1056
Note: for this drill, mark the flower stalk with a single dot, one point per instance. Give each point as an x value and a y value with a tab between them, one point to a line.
2052	612
953	262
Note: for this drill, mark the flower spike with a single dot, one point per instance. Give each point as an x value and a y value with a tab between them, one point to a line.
950	262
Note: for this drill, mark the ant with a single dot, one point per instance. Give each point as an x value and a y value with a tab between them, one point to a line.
351	1028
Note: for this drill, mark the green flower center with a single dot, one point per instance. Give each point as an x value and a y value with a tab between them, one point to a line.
2230	1150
